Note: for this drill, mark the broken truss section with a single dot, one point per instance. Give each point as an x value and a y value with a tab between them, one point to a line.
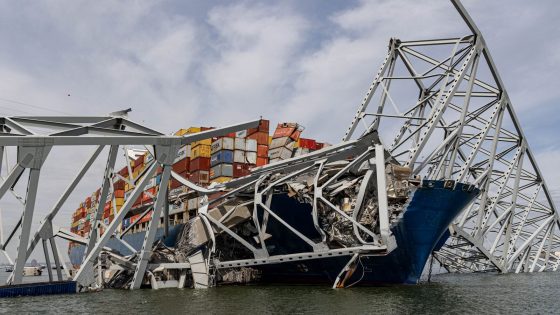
443	110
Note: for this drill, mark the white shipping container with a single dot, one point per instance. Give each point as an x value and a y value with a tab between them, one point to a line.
251	145
239	144
281	153
282	142
238	156
221	170
222	144
251	157
241	134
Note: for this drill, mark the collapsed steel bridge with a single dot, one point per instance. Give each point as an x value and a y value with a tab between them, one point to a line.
437	107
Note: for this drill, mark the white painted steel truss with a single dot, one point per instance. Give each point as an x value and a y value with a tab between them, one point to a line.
441	108
34	137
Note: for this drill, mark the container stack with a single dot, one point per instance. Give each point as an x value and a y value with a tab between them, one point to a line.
284	141
200	159
260	134
222	158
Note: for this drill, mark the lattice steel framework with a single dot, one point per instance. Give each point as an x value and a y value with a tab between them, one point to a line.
442	109
34	137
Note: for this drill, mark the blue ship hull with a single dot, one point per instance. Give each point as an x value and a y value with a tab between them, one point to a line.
421	229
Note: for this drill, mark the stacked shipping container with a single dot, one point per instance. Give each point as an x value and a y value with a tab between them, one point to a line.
284	141
201	162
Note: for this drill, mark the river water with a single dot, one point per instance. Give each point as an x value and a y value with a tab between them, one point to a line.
447	294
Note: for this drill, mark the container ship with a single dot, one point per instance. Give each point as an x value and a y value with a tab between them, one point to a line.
202	162
420	213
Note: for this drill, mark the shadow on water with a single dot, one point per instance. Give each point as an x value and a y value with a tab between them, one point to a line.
447	294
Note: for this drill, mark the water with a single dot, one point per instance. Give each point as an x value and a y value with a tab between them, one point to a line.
448	294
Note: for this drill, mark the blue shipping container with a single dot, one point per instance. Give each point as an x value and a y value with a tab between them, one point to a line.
158	179
223	156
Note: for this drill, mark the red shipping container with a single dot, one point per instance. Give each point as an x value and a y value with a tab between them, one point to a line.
261	137
182	166
319	145
88	202
283	132
200	176
295	135
200	163
139	161
119	193
118	185
262	150
307	143
124	172
264	125
241	169
262	161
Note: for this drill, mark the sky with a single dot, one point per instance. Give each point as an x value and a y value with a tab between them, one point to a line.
199	62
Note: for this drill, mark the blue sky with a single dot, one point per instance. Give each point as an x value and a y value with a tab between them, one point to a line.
182	63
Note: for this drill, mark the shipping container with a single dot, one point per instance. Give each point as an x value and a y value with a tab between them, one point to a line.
206	142
240	170
251	157
251	145
181	166
241	134
200	176
281	153
261	137
201	163
285	130
221	170
307	143
238	156
221	179
262	150
224	156
222	144
282	142
239	144
201	151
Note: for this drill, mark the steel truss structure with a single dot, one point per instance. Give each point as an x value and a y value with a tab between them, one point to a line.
327	169
34	137
443	110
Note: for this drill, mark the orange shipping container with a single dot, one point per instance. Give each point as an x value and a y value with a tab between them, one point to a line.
262	161
262	150
261	137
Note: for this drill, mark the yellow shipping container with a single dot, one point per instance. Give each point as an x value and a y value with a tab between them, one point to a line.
119	202
194	129
221	179
75	224
207	142
200	151
269	139
189	130
180	132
